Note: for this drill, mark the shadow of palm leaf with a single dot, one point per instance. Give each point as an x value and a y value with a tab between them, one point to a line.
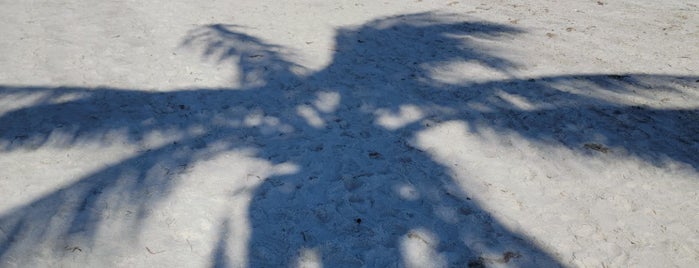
328	125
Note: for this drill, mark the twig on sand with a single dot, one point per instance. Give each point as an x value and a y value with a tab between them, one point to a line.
152	252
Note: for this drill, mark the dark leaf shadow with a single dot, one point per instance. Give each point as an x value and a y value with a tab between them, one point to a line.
220	254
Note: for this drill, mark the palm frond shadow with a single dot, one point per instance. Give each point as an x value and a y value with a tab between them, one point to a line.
325	123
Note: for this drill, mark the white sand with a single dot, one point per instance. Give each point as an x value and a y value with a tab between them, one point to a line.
349	134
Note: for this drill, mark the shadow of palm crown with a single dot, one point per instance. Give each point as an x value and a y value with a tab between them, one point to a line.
327	124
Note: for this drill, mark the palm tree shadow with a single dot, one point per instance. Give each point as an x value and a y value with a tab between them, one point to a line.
361	193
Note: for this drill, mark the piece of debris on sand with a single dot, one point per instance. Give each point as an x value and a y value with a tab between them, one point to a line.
597	147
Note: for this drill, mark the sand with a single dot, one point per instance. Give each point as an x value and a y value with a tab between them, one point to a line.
349	134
